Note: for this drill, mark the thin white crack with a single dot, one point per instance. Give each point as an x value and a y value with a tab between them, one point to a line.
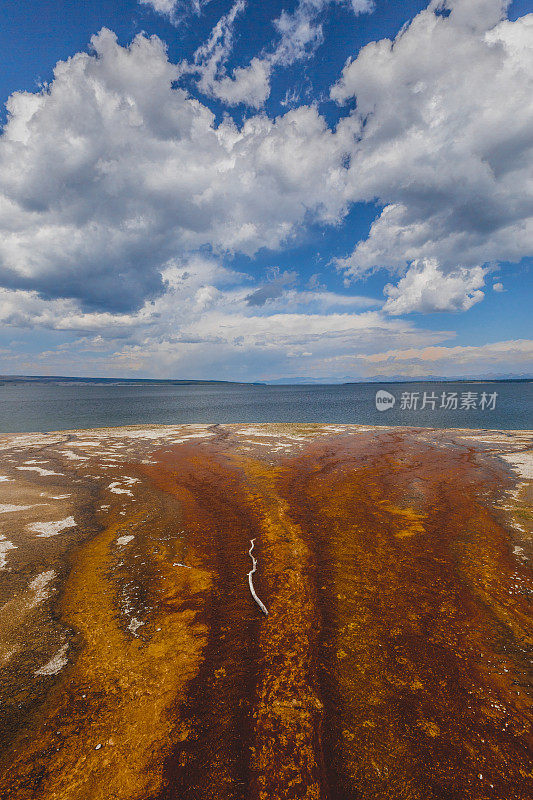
250	580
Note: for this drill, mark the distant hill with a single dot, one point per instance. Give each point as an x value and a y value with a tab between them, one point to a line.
299	381
347	381
165	381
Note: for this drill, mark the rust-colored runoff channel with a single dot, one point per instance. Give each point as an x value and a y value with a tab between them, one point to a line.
392	664
426	626
249	727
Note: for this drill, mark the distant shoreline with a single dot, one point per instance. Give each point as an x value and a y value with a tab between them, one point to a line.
10	379
108	381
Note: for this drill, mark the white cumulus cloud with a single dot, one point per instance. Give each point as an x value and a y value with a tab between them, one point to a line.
426	288
212	321
113	179
109	172
443	139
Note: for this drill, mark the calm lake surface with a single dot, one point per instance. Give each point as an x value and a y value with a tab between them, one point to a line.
55	406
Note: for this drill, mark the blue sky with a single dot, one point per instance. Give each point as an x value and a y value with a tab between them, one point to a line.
334	189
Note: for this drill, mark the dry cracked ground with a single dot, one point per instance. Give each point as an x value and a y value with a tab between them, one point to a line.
380	649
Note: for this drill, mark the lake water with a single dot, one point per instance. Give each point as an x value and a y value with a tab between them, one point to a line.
58	406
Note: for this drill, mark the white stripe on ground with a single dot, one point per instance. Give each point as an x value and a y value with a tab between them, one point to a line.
250	580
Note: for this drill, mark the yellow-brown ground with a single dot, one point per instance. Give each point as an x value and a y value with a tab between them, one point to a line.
395	659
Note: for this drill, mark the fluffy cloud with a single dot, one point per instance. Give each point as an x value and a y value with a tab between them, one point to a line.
188	287
205	325
247	85
337	349
443	138
112	179
110	172
426	288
